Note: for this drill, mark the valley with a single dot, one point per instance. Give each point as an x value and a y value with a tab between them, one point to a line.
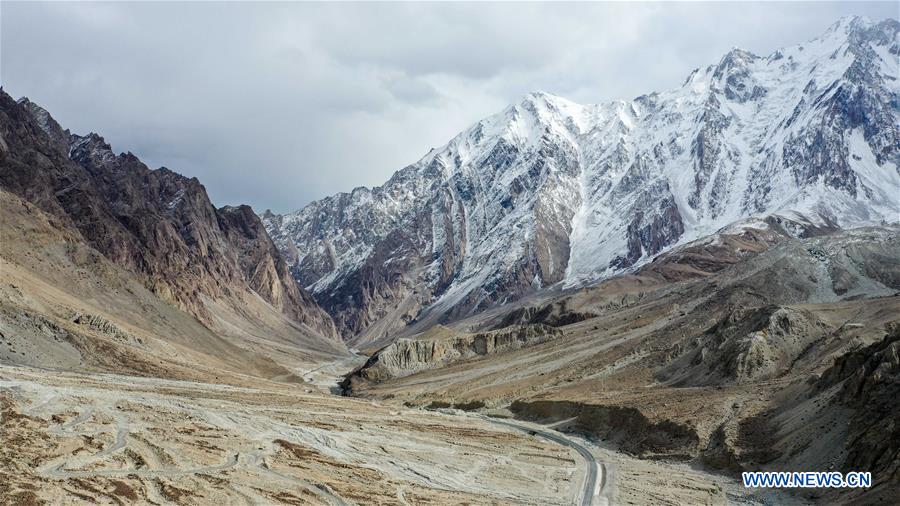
622	303
110	438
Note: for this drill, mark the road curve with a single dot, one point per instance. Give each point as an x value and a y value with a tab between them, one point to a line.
590	481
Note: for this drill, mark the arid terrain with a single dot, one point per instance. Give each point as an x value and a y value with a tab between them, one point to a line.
115	408
84	438
725	368
123	414
629	303
109	438
115	389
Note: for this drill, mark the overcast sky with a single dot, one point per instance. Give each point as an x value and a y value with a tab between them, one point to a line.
279	104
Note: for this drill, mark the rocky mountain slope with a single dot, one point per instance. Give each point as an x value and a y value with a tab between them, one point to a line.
73	200
553	193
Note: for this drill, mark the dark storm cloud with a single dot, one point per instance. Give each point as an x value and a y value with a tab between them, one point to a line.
276	104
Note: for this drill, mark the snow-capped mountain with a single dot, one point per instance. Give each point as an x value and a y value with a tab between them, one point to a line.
551	192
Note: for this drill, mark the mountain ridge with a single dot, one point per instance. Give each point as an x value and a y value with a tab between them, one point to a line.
551	192
159	225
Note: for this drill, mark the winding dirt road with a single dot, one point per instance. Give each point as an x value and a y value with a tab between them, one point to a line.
594	469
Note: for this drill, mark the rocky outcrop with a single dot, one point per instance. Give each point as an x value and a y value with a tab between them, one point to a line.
104	326
626	427
869	381
440	347
556	314
651	234
155	223
748	345
266	272
845	420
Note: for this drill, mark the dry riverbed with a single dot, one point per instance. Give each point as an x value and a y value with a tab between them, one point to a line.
87	438
71	437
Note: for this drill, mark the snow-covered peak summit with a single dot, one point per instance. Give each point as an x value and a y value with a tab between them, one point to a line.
548	105
846	25
525	125
737	57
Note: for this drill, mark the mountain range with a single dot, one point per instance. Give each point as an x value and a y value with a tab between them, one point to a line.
625	303
549	193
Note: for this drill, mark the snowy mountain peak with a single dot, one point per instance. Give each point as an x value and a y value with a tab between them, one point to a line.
737	57
548	104
848	24
550	192
540	96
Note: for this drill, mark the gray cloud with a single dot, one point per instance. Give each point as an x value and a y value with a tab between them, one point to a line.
276	104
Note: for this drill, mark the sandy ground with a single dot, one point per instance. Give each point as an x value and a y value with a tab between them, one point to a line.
105	438
85	438
326	377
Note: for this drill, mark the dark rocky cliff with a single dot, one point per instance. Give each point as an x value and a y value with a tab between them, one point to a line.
156	223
